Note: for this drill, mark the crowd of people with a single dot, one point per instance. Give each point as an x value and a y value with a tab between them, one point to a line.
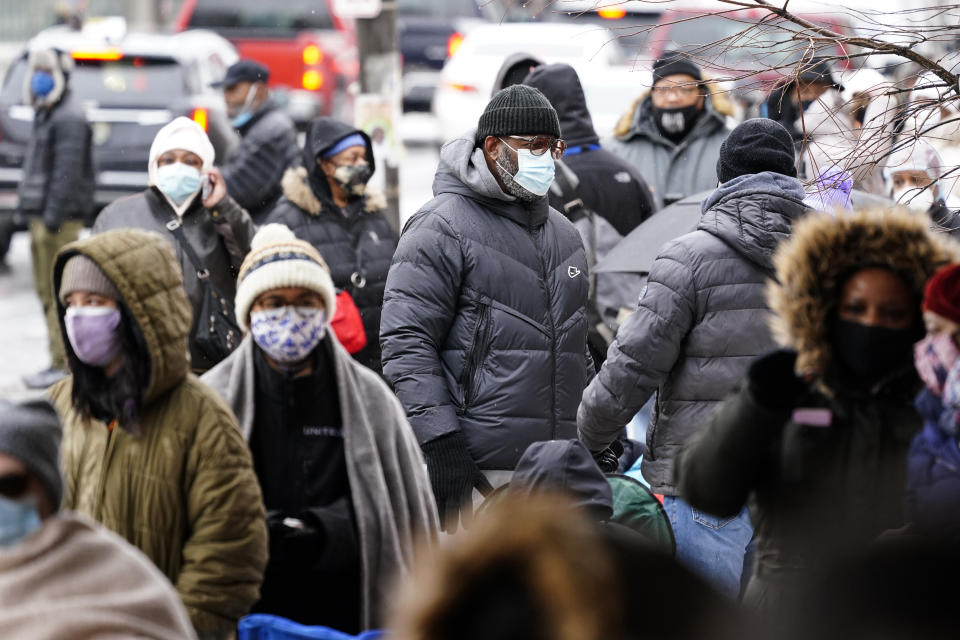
264	400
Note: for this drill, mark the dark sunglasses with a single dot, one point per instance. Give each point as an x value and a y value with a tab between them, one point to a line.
538	145
13	485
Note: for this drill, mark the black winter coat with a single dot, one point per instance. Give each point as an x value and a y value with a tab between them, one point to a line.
58	173
254	169
484	324
609	185
357	242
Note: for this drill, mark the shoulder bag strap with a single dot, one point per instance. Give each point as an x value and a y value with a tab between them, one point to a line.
176	229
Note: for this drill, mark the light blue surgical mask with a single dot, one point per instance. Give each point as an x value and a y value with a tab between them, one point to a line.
241	119
534	173
18	519
178	181
41	83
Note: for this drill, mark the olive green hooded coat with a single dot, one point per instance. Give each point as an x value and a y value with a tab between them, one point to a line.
183	491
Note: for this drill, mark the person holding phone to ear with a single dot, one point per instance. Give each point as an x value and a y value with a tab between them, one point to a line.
186	190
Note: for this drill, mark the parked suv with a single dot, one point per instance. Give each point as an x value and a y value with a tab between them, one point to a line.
129	88
311	53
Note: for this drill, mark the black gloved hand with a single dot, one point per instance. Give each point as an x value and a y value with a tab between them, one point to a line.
453	475
609	459
293	540
773	380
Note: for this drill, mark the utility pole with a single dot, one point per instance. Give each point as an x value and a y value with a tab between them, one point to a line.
377	108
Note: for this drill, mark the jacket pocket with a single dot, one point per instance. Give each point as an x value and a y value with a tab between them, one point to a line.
478	353
711	522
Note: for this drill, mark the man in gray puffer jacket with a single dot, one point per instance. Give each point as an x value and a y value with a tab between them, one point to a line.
700	321
484	316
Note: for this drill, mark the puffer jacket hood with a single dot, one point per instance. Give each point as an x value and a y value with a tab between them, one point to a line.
142	266
463	171
567	467
60	65
561	85
753	213
323	134
824	251
509	63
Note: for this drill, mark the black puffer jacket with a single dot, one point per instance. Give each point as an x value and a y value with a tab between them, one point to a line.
254	169
58	180
609	185
357	241
484	324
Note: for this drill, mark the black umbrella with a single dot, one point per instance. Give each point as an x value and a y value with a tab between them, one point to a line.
639	248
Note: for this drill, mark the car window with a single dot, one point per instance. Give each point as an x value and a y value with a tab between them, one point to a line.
128	82
434	9
264	17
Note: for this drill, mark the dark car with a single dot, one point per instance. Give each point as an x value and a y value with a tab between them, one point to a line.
129	88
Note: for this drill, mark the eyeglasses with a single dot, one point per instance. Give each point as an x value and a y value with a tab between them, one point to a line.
538	145
13	485
685	91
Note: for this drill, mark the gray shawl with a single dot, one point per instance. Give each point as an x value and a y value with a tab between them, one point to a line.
389	486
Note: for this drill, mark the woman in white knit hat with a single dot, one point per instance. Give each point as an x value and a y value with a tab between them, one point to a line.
186	190
342	475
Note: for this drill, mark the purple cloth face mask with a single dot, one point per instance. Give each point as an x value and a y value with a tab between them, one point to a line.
92	332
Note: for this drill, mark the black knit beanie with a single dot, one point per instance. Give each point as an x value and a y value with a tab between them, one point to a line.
755	146
518	109
674	62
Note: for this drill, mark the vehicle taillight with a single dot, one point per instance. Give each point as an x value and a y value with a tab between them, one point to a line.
312	80
453	43
611	13
199	116
312	55
99	54
462	87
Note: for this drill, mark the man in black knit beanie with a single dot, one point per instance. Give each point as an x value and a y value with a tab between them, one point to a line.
484	316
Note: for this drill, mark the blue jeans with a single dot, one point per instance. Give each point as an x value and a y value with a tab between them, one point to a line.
713	548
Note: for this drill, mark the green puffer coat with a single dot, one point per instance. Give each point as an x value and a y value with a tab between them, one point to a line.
184	491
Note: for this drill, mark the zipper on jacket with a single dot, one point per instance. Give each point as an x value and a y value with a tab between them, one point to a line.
536	235
104	467
475	359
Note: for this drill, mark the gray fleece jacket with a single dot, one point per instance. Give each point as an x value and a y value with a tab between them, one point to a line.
701	320
389	487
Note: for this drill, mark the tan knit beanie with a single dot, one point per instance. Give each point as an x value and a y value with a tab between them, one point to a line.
80	273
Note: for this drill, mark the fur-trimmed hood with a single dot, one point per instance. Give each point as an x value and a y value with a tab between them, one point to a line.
717	101
824	251
60	65
296	187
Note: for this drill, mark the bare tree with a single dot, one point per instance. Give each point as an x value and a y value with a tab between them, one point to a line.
765	44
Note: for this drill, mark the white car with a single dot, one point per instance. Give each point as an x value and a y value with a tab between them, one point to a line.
610	82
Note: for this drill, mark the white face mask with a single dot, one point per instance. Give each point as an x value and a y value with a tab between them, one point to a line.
914	199
288	334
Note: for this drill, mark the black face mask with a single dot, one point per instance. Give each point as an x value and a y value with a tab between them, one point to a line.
353	178
872	353
675	123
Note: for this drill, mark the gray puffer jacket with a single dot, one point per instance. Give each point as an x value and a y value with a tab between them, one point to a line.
674	170
254	169
484	323
701	320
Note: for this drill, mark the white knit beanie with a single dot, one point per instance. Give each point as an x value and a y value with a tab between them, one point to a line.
278	259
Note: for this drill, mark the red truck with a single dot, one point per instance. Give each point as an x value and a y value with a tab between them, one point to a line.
310	51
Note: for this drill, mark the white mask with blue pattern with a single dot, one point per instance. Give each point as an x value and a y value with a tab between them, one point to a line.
288	334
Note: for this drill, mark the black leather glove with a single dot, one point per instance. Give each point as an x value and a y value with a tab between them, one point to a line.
773	380
453	475
293	541
609	459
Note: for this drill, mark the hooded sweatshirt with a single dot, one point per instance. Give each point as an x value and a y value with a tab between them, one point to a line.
484	324
609	185
184	490
701	319
357	242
